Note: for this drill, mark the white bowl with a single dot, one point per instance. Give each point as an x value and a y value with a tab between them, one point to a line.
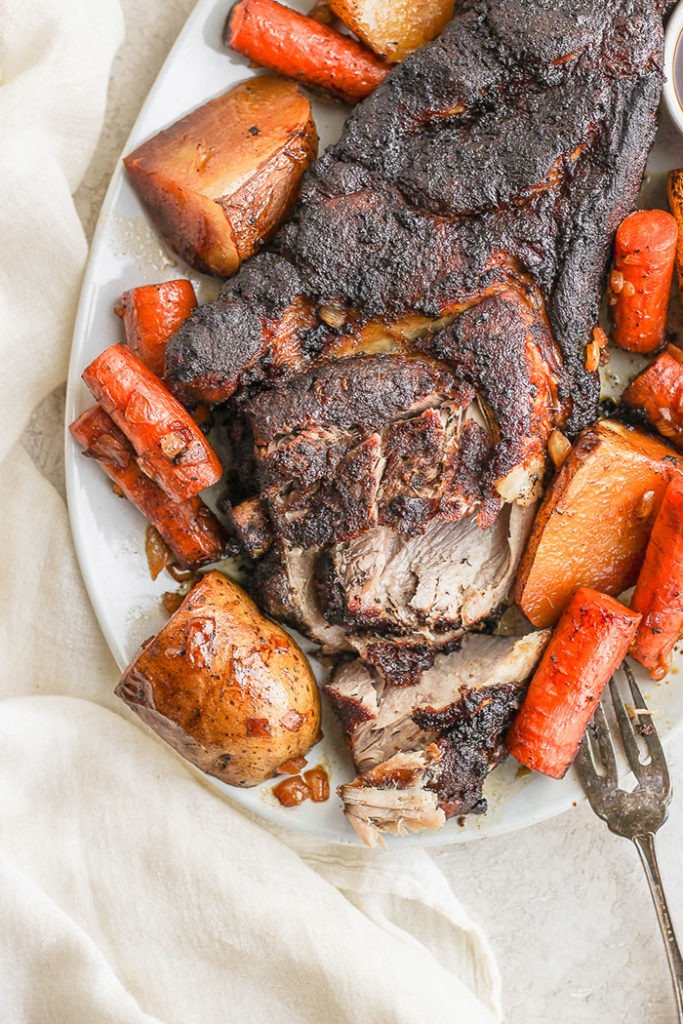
673	67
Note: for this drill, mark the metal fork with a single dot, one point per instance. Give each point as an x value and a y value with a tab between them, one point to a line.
639	814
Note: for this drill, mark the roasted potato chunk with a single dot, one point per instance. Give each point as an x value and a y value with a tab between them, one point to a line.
594	523
221	180
395	29
675	195
224	686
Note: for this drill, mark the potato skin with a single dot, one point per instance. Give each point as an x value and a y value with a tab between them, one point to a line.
224	686
393	30
222	179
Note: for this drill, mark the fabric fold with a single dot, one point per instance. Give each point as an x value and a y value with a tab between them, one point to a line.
129	891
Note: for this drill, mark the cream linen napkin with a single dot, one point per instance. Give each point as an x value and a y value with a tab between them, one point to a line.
129	891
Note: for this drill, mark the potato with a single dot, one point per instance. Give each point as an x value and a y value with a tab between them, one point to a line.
595	520
221	180
675	195
227	688
394	28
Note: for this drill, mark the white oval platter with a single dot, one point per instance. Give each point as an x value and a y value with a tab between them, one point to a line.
109	533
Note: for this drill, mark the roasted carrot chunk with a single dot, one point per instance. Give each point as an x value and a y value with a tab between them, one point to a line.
189	528
171	448
658	391
644	254
151	314
276	37
589	643
594	522
659	591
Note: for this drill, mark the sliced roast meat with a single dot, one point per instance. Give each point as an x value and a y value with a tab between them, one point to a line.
448	728
449	577
394	440
363	394
400	661
397	797
339	506
364	441
379	720
506	354
395	599
284	587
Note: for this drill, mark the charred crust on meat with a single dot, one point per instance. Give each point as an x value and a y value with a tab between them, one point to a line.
400	664
511	147
350	711
470	736
208	355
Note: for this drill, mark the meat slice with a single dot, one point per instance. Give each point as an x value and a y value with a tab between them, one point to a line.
379	720
445	733
447	578
363	441
284	587
395	600
506	355
337	507
360	394
396	797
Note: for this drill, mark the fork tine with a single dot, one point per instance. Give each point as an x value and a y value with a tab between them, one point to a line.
649	735
628	735
601	732
584	762
598	788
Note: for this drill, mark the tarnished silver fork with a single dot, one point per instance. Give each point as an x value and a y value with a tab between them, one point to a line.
639	814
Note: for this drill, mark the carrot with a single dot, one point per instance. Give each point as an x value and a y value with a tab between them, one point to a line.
658	391
589	643
151	314
644	254
276	37
171	448
659	591
189	528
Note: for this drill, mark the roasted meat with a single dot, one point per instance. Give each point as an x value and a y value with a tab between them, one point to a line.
422	752
500	156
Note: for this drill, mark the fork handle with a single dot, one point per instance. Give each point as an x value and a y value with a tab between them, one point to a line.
645	844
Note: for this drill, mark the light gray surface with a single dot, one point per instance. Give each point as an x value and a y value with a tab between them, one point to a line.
564	903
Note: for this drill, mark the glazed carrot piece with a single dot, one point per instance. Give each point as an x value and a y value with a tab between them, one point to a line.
644	254
189	528
151	314
171	448
659	591
658	391
278	38
590	641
